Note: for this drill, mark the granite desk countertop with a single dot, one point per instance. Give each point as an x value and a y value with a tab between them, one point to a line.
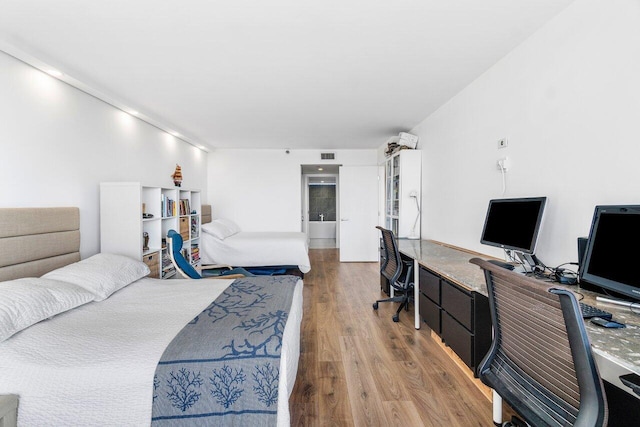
619	345
449	262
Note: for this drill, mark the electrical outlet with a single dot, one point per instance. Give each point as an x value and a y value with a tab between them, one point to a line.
503	164
503	143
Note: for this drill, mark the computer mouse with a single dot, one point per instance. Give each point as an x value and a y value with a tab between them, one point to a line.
605	323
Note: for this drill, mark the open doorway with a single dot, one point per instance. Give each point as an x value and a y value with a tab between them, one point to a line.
322	211
320	195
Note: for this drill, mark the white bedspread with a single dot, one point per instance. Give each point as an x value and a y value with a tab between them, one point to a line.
257	249
95	365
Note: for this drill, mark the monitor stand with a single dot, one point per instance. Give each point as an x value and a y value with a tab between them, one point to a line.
531	260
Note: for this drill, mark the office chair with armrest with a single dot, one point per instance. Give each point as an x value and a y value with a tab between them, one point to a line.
540	360
391	268
188	271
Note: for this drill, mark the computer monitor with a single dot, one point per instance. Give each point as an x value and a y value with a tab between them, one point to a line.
612	254
514	223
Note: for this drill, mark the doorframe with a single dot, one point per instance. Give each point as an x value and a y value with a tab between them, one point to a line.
305	205
305	202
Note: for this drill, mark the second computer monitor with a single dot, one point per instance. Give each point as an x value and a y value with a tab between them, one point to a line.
514	223
611	258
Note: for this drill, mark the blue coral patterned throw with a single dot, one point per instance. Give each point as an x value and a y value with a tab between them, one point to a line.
223	367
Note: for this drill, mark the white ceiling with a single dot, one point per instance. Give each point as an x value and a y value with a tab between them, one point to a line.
275	74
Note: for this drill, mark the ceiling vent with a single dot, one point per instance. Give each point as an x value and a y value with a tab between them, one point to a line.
328	156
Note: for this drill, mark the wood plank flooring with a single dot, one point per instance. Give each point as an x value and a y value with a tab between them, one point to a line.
359	368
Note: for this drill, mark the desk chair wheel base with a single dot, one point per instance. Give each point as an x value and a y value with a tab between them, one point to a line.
395	317
515	422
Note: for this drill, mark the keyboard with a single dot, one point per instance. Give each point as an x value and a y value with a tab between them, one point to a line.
589	311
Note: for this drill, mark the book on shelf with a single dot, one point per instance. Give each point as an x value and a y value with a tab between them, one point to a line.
166	260
195	221
195	253
168	270
185	208
167	206
186	255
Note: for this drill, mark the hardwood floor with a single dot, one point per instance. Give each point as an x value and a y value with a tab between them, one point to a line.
359	368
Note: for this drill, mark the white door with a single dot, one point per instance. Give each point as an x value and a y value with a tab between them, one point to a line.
359	240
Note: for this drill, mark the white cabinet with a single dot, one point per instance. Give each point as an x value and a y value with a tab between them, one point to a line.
403	189
135	220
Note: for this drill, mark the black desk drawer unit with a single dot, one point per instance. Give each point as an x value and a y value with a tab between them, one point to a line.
430	313
458	303
430	285
430	299
458	338
460	317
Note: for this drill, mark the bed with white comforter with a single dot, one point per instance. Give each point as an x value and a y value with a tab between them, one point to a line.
223	243
95	364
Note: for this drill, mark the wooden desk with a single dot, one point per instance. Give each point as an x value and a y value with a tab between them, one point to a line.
617	351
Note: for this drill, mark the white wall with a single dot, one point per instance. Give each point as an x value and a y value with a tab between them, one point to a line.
58	143
568	100
261	189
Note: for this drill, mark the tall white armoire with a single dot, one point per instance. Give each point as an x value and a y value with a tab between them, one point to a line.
403	189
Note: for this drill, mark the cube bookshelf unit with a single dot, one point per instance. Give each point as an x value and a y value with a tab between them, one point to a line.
123	225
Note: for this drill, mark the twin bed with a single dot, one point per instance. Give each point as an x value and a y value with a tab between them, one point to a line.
222	242
128	350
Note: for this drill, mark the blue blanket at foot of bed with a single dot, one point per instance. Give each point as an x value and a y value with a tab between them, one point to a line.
223	367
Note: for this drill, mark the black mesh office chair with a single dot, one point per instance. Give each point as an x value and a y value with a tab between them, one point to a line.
540	361
391	268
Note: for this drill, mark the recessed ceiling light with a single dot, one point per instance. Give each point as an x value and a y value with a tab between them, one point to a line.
320	169
54	73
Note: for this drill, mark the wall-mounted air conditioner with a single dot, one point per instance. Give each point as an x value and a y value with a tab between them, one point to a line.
404	138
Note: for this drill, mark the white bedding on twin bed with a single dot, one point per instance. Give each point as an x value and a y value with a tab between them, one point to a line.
257	249
94	365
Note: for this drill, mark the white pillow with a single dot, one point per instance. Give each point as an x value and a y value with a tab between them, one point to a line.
101	274
218	230
24	302
230	224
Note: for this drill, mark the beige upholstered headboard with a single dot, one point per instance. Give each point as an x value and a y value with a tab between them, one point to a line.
34	241
206	214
